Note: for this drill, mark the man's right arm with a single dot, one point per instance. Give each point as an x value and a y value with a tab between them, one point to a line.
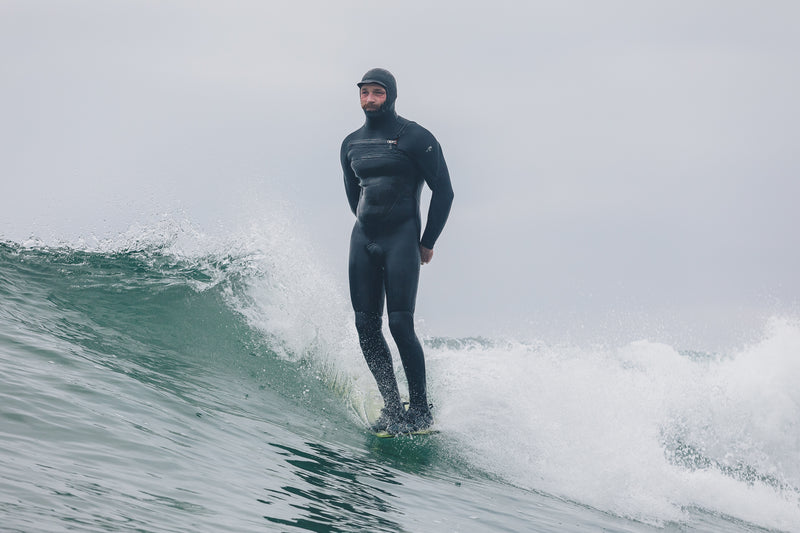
351	186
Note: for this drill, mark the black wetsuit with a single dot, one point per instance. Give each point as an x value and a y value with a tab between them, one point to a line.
385	164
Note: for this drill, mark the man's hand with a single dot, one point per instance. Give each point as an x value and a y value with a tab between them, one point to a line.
425	254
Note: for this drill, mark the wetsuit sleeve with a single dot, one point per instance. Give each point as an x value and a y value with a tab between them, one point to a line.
351	186
429	157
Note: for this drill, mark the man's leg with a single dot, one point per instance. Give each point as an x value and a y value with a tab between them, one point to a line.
401	279
367	295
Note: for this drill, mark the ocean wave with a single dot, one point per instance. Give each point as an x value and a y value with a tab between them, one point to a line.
641	430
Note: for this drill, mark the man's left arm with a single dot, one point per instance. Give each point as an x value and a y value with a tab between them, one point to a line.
434	168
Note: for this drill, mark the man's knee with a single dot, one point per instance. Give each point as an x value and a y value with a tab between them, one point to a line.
368	324
401	324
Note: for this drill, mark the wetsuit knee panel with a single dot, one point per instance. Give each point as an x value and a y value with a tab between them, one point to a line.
401	324
368	323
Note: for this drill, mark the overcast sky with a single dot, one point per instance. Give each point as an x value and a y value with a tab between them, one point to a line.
626	167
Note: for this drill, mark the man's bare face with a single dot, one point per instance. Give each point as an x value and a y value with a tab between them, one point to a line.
372	96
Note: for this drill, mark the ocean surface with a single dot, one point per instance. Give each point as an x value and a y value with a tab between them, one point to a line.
150	385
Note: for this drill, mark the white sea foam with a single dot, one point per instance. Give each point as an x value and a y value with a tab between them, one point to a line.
641	430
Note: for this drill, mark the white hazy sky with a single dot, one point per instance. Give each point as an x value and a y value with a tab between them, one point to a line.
621	168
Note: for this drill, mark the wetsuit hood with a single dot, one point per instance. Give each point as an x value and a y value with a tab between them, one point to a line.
385	79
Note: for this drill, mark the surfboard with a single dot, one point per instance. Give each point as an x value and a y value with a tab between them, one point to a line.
386	435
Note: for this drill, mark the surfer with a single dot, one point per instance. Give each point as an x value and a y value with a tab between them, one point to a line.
385	163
